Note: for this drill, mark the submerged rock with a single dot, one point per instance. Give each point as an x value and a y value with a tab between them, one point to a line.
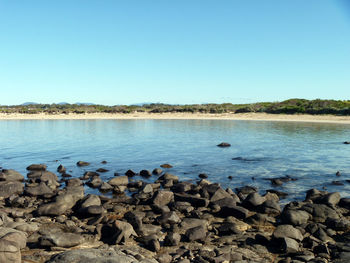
224	144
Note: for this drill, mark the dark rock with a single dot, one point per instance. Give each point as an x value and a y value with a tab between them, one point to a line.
172	239
196	234
10	175
157	171
193	200
278	193
203	176
130	173
37	167
170	218
38	190
270	207
82	163
253	200
337	173
236	211
102	170
345	202
145	173
246	190
182	187
228	228
289	245
95	182
166	165
224	144
347	142
124	231
10	188
61	169
135	219
295	217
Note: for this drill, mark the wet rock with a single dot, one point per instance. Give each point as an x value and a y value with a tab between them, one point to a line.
287	231
196	234
145	173
61	169
37	167
163	197
119	180
95	182
203	176
166	165
8	188
168	176
278	193
172	239
224	144
331	199
102	170
130	173
157	171
10	175
246	190
47	177
253	200
347	142
105	187
74	182
61	239
82	163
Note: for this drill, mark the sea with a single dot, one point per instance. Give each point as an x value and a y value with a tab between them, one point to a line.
310	153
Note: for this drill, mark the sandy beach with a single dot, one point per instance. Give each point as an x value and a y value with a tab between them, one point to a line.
164	116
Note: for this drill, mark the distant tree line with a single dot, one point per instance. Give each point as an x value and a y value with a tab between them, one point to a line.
291	106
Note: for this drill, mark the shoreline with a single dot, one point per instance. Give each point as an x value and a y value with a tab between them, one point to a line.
181	116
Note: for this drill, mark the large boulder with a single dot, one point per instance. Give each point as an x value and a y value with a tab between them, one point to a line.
8	188
10	175
37	167
61	239
288	231
39	190
163	197
11	242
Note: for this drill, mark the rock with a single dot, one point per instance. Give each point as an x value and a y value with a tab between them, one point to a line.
92	256
10	175
196	234
337	173
47	177
9	252
322	212
164	258
16	236
289	245
145	173
147	189
124	231
8	188
106	187
61	239
130	173
37	167
253	200
347	142
157	171
102	170
172	239
90	200
119	180
270	207
246	190
61	169
295	217
166	165
170	218
163	197
203	176
188	223
234	210
82	163
74	182
287	231
332	199
38	190
168	176
135	219
95	182
62	203
224	144
228	228
193	200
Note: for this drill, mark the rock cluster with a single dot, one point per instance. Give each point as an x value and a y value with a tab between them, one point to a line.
49	218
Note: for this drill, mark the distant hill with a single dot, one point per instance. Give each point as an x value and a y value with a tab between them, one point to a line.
29	103
84	103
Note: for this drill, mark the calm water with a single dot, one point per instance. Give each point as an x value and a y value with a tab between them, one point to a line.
311	152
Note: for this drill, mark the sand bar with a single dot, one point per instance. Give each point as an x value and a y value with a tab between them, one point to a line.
175	116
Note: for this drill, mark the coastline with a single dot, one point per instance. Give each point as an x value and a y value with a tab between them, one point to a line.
180	116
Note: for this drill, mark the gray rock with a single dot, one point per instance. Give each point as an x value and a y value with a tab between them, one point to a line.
105	187
172	239
295	217
270	207
10	175
9	252
124	231
253	200
135	218
289	245
74	182
196	234
16	236
61	239
170	218
163	197
332	199
288	231
38	190
188	223
192	199
119	180
8	188
157	171
168	176
92	256
90	200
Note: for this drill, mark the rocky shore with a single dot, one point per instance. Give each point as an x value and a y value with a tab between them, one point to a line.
47	217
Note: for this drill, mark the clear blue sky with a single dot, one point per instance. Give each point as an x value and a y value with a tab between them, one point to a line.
179	51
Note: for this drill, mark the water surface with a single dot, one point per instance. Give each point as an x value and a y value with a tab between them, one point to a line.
310	152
